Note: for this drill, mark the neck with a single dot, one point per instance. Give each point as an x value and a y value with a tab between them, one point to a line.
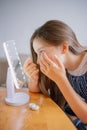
73	61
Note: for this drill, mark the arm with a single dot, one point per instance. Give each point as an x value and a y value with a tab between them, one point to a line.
32	72
74	100
58	75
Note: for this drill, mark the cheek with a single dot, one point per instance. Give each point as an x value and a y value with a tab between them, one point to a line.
52	55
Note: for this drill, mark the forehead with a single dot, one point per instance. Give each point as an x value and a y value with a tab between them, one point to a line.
39	43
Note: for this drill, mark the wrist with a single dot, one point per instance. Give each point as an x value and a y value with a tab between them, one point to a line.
62	80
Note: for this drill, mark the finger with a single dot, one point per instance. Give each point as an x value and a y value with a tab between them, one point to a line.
32	65
44	60
43	70
47	59
29	67
30	71
27	63
28	60
43	64
34	73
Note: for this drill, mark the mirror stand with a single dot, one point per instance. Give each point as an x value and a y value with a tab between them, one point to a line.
14	98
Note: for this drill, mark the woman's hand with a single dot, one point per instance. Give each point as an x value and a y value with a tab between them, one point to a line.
53	70
31	70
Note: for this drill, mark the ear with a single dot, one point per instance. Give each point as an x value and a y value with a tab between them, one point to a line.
64	48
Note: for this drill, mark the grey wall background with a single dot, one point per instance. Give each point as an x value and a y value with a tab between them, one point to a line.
19	18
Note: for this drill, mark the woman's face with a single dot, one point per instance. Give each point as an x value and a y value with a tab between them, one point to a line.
41	46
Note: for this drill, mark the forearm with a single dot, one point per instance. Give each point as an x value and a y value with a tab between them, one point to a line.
74	100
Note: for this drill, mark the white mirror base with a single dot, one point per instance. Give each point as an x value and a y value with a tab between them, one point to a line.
18	99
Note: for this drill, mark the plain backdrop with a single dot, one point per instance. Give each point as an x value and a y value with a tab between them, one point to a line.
19	19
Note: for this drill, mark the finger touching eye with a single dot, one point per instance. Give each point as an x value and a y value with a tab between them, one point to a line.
47	59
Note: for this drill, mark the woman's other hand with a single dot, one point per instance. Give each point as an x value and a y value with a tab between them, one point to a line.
53	69
31	70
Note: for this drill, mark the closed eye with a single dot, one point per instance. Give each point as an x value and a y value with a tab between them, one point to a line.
41	51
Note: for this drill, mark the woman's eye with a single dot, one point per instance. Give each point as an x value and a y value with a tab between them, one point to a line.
41	51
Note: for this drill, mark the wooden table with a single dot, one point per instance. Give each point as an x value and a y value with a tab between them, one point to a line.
48	117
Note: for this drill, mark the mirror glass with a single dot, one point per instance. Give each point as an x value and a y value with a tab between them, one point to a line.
15	63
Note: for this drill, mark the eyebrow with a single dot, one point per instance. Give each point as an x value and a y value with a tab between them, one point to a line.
40	48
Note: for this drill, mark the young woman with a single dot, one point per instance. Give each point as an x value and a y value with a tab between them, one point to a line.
59	69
